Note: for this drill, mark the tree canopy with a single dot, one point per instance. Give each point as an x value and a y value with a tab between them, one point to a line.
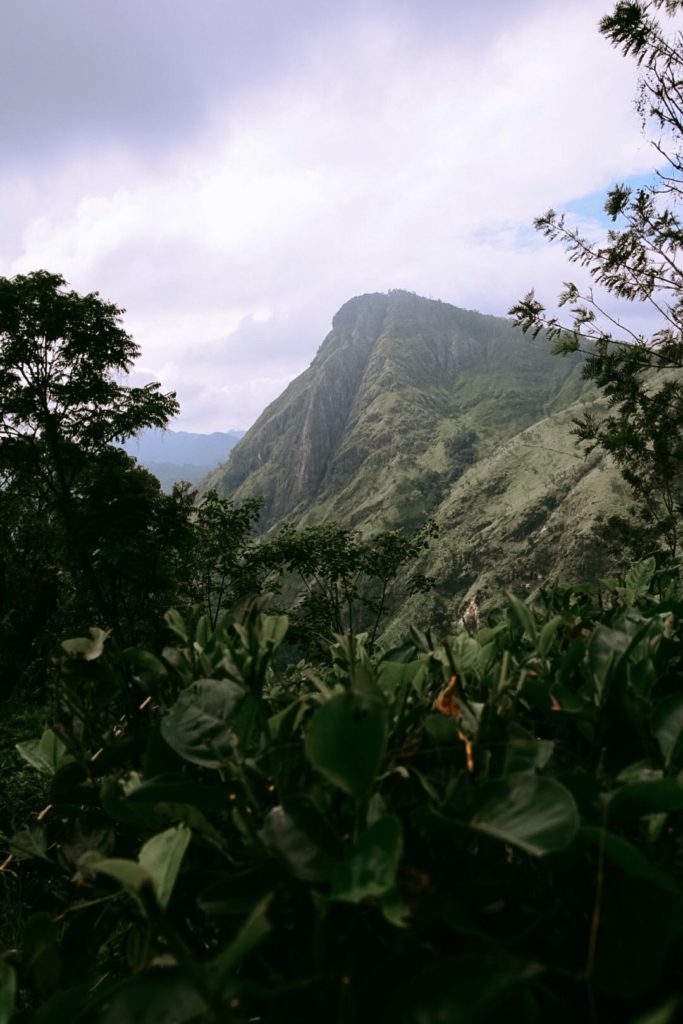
639	263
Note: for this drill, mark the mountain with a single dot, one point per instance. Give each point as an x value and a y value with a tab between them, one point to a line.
174	455
412	407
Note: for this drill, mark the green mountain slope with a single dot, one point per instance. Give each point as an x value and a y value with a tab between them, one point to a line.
402	394
413	407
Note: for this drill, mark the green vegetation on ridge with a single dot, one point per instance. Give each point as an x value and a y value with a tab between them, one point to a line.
252	810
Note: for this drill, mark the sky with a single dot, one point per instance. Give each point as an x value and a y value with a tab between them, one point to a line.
231	173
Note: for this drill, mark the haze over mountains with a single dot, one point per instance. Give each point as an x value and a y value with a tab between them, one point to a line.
413	407
174	455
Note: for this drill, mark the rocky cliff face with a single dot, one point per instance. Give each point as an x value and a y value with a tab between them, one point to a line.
413	407
369	433
286	454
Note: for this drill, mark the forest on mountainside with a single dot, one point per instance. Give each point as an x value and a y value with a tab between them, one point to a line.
230	793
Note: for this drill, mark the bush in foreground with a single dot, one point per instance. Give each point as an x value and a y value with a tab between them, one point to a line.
476	830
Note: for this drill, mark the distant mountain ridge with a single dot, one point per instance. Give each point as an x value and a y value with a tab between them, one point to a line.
174	455
414	407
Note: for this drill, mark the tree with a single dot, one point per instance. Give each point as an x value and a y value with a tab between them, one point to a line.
225	566
639	262
62	404
340	582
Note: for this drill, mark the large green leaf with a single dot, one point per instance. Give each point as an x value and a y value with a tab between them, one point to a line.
659	796
641	919
547	634
523	752
667	726
176	622
371	867
667	1013
523	616
640	576
8	989
29	843
130	875
251	934
47	755
273	629
467	654
157	866
526	810
198	726
161	857
606	648
346	741
89	648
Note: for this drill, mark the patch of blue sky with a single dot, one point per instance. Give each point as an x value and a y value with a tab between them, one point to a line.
592	206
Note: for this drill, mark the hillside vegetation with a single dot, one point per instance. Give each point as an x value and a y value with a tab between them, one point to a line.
413	407
332	770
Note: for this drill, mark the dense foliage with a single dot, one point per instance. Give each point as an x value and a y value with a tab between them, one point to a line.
481	829
246	809
638	263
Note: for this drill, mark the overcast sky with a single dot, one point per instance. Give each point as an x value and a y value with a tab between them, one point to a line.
232	172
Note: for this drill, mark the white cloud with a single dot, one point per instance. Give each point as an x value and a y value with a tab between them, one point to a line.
377	163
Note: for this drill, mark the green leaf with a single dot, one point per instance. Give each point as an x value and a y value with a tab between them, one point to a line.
523	616
639	578
638	798
605	649
629	859
147	668
198	726
176	623
641	920
547	635
202	633
534	813
130	875
346	741
274	629
667	726
392	676
47	754
157	866
30	843
523	752
467	654
251	934
642	676
8	990
88	648
443	730
373	862
161	857
667	1013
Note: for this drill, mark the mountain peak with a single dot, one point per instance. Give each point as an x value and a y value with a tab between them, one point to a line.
397	379
360	307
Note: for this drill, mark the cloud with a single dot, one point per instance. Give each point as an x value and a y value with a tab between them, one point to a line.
376	150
